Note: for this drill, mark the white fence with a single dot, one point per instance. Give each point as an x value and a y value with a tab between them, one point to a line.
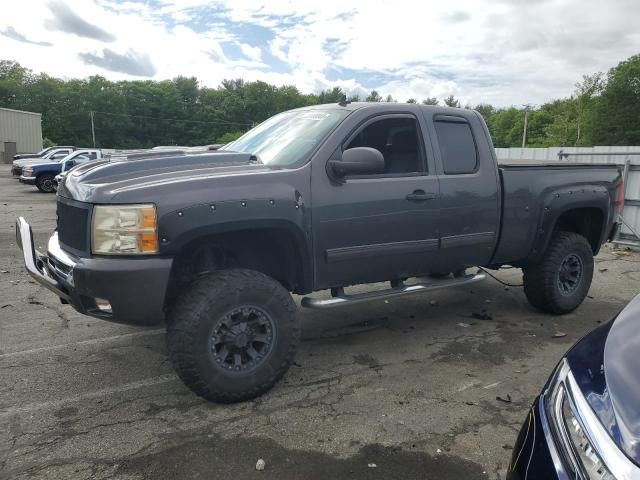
612	155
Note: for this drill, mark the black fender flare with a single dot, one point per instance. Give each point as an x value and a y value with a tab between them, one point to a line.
559	202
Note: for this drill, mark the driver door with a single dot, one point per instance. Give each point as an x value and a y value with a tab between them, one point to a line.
382	226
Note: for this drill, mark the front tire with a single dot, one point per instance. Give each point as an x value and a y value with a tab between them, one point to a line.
45	183
233	335
560	282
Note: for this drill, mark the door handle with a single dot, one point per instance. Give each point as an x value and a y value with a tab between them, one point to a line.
420	196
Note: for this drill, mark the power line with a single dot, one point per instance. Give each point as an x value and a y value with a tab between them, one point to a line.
217	122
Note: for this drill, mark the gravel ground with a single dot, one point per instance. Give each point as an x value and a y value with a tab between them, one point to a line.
409	385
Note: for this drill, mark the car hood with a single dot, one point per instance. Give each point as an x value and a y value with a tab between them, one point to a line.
31	161
622	374
606	365
119	181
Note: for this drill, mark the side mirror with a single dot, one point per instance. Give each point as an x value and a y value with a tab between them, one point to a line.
69	164
358	161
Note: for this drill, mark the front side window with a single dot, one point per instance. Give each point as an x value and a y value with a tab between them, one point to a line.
58	156
397	138
83	157
457	147
288	138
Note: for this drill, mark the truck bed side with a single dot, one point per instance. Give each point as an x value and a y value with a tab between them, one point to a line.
536	197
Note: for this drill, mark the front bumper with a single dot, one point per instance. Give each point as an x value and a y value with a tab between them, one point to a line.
28	180
135	288
535	454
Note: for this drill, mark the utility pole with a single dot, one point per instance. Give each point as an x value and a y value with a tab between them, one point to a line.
526	123
93	130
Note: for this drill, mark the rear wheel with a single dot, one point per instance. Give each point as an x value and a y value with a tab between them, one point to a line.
233	335
45	183
559	283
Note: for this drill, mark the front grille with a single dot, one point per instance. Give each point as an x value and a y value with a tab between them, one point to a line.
73	226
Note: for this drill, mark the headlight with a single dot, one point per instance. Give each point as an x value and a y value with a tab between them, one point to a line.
27	172
581	437
124	230
589	460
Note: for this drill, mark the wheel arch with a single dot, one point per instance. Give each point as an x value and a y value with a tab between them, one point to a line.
277	248
573	210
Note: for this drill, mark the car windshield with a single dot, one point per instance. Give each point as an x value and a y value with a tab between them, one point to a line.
288	138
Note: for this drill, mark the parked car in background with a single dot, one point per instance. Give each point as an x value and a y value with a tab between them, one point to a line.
41	153
586	423
42	174
53	155
317	198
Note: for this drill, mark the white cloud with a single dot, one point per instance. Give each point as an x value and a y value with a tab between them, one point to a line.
254	53
506	52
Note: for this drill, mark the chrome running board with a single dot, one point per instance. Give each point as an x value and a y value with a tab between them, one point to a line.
340	298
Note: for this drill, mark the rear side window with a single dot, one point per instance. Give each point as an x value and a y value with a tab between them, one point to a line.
457	147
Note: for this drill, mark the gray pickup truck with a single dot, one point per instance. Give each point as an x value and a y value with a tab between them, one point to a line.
316	198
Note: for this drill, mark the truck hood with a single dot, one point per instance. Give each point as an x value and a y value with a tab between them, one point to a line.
40	163
103	181
606	365
23	156
31	161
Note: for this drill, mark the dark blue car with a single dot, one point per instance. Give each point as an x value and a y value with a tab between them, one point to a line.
42	174
586	423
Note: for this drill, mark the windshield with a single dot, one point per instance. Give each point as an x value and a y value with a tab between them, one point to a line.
289	137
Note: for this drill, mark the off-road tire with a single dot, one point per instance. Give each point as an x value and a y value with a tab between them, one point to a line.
45	183
192	322
542	284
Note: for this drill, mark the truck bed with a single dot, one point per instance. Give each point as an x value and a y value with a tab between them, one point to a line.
528	187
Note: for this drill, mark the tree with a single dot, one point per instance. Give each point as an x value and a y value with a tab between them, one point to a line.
390	99
229	137
586	90
333	95
615	119
452	101
603	110
373	97
412	100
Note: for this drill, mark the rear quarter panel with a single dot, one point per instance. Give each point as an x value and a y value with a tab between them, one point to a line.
535	196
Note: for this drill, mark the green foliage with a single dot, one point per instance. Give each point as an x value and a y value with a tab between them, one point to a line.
229	137
373	97
47	142
603	110
452	101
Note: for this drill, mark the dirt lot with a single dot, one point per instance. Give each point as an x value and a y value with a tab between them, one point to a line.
409	385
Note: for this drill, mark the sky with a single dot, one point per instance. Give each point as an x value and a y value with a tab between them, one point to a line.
503	52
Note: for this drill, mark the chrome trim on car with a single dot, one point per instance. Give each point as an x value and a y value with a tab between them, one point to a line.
36	263
566	386
615	460
553	451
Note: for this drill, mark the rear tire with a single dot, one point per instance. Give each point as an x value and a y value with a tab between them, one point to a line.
45	183
232	335
561	281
